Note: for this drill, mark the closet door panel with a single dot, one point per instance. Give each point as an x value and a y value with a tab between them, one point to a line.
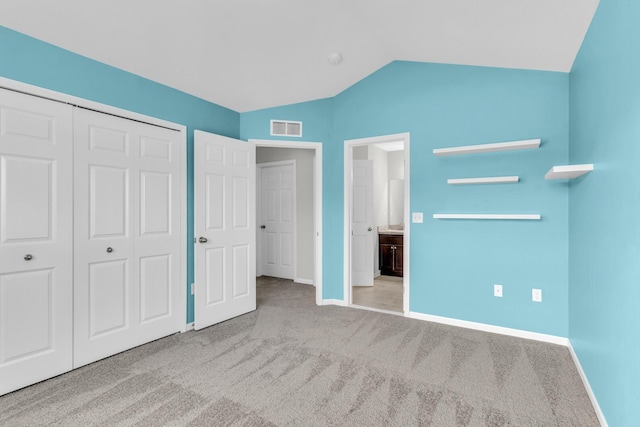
35	239
104	291
157	237
127	238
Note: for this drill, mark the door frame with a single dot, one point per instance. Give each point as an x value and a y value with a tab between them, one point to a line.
349	144
259	167
317	200
52	95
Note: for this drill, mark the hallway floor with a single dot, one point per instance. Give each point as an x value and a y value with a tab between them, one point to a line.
385	294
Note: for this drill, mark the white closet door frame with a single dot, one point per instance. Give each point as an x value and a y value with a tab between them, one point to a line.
103	108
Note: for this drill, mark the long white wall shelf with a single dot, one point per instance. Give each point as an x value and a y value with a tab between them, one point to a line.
568	172
487	148
487	216
487	180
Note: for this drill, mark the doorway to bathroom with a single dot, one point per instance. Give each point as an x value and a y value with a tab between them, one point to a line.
376	223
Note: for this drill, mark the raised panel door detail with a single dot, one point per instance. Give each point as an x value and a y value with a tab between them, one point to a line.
360	204
240	203
26	124
271	214
286	256
109	201
104	139
215	154
240	158
286	199
155	287
215	274
155	203
26	200
272	248
108	297
214	202
240	270
359	253
26	306
153	148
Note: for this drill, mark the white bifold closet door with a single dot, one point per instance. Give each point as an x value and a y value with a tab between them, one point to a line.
127	234
35	239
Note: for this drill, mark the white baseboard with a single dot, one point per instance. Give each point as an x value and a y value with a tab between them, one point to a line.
587	386
553	339
339	302
379	310
304	281
189	327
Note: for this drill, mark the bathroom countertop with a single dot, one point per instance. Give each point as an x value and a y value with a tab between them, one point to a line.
390	230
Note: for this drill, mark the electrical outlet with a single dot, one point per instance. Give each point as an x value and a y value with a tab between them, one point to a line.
417	217
497	291
193	289
536	295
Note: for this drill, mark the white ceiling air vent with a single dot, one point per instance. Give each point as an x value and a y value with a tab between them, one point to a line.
286	128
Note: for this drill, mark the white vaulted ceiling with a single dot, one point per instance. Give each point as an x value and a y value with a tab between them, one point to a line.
252	54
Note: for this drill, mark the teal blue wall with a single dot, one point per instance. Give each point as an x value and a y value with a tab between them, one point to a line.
454	264
604	304
32	61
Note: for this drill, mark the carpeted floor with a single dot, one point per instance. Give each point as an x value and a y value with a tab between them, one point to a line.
292	363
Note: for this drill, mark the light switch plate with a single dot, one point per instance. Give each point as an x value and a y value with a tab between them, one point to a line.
417	217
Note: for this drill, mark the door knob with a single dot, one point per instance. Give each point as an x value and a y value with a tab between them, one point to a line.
202	240
369	228
263	226
109	249
28	257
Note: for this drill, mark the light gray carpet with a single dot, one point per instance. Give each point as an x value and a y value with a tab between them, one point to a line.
291	363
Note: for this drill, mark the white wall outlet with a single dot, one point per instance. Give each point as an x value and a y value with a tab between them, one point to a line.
193	289
417	217
536	295
497	291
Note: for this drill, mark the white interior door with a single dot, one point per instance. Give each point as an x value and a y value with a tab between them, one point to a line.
127	234
278	215
225	252
362	227
35	239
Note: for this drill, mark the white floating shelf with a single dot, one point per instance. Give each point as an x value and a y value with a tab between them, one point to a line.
487	216
487	148
568	172
487	180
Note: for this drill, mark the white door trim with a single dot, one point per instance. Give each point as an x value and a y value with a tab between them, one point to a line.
108	109
317	200
260	166
348	160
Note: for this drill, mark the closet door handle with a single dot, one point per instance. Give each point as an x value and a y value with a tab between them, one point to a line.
28	257
202	240
109	249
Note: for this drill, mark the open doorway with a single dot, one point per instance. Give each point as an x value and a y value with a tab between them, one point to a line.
304	160
376	222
